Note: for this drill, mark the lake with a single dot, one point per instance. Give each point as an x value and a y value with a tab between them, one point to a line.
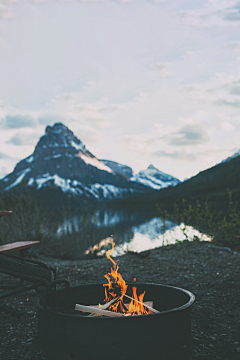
130	231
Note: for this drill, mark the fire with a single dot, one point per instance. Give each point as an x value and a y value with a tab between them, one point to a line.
116	287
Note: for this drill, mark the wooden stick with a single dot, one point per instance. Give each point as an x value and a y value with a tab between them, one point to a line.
106	306
147	306
93	310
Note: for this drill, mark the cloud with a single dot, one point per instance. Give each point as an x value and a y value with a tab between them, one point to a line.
97	114
230	103
181	155
188	135
95	118
163	141
4	156
233	14
17	121
156	1
221	90
213	13
233	45
9	2
48	119
227	126
5	12
23	139
235	89
162	69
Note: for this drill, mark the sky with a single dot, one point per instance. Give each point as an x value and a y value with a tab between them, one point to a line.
139	82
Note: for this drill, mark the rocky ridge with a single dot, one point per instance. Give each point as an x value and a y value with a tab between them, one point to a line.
61	160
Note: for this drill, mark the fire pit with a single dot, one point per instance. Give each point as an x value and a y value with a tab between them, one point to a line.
64	334
126	327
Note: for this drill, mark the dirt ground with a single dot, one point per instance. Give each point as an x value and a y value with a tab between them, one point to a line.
211	273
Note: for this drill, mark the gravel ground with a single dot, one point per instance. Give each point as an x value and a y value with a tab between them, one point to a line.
211	273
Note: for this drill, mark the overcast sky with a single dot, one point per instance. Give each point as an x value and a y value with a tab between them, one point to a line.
140	82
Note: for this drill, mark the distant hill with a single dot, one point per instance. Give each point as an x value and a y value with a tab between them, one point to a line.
211	183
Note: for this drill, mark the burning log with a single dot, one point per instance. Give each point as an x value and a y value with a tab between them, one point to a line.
105	306
98	311
149	303
144	304
116	289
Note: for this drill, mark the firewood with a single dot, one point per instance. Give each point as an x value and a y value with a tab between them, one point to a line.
147	306
116	289
147	303
93	310
105	306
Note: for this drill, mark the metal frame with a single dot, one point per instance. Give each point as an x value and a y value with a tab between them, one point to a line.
19	287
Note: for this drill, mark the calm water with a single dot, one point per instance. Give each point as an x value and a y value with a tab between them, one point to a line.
130	232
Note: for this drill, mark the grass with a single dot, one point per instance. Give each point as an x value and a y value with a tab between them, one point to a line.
223	226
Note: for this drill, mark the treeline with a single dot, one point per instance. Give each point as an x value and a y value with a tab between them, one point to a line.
222	225
65	228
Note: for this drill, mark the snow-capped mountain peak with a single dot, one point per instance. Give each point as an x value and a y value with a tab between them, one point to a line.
61	160
154	178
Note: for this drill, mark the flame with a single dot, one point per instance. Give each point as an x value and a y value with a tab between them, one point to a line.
116	286
114	277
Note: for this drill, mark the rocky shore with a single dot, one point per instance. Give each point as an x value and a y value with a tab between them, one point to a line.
210	272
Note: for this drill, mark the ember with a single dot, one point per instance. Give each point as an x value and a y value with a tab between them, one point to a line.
115	292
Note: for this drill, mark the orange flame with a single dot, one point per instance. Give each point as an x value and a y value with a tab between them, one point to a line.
116	286
114	277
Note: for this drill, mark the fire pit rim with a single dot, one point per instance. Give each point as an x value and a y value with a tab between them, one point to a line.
187	292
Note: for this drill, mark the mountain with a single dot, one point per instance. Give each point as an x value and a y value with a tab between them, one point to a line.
119	168
61	160
155	178
211	184
151	177
232	157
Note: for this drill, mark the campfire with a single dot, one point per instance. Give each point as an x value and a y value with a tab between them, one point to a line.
116	302
119	327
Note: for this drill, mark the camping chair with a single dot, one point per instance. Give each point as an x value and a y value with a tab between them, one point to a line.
36	273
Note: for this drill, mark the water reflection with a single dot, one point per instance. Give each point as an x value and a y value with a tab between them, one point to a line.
148	236
131	232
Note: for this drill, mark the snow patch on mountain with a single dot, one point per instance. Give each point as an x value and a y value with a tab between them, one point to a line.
154	178
79	147
151	182
232	157
19	179
29	159
95	162
75	187
119	168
